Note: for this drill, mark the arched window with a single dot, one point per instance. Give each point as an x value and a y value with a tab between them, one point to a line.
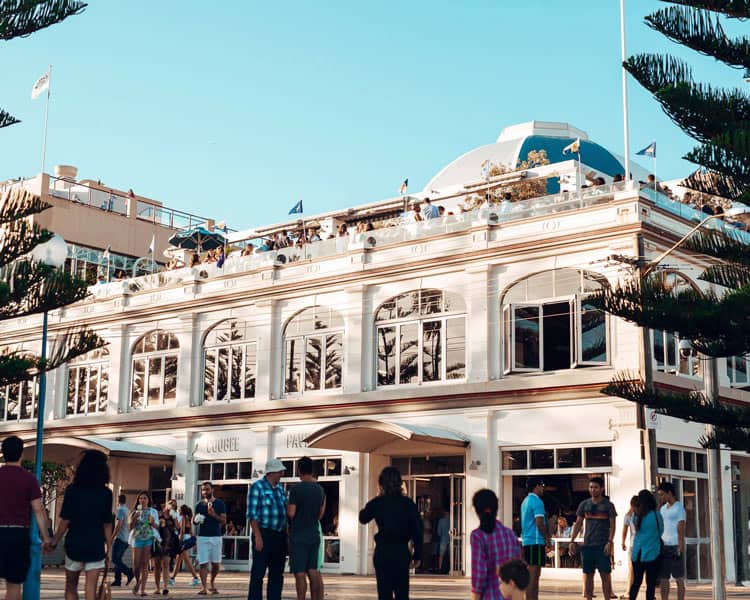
20	400
421	337
313	350
154	369
230	357
88	383
549	325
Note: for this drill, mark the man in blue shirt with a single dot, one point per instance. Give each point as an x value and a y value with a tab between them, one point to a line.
535	538
121	542
266	513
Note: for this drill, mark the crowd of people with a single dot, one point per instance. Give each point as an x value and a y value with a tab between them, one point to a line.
288	524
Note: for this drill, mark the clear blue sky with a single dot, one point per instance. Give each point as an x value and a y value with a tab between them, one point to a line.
236	110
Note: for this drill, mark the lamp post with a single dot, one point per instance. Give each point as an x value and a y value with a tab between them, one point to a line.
52	253
711	390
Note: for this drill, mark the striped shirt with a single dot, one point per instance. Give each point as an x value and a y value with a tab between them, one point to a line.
488	552
266	504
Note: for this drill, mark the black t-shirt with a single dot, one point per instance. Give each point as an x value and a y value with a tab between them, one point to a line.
88	510
308	498
398	521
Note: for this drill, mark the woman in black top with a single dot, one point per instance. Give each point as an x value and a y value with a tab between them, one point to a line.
167	549
398	523
86	516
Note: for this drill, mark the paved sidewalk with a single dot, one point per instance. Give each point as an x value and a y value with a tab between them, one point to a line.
233	586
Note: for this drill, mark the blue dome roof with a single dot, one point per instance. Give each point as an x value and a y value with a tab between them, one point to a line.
592	153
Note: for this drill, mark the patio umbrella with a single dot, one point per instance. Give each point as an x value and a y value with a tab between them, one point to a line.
197	238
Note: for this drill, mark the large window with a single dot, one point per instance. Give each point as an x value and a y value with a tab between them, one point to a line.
19	400
313	351
737	371
421	337
154	370
88	383
549	324
668	358
230	362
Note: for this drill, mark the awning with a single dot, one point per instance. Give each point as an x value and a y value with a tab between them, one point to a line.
386	438
112	448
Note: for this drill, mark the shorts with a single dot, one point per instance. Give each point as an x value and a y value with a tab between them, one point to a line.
304	557
672	563
76	565
209	549
593	558
142	543
15	553
535	555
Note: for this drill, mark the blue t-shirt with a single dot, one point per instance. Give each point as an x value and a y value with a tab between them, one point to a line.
210	527
531	508
122	515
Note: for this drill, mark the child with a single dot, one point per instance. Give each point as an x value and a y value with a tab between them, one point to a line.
514	577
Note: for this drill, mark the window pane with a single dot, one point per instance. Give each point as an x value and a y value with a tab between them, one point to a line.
155	380
526	322
455	353
386	355
139	382
222	374
204	471
289	467
246	470
27	400
81	394
231	470
70	407
292	365
689	492
319	465
671	342
558	337
209	376
599	456
93	387
217	471
569	458
13	401
593	334
250	366
687	461
703	521
658	347
409	343
313	362
170	378
514	459
236	390
334	354
700	463
661	458
542	459
432	350
407	305
103	388
162	341
431	302
333	467
386	311
674	460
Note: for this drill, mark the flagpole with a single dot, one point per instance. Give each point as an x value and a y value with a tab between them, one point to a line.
625	124
46	117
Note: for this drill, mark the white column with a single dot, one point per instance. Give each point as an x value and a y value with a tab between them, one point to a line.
268	376
190	361
264	446
493	471
356	371
481	358
119	368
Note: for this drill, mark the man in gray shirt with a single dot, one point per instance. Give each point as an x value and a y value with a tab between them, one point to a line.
307	503
121	542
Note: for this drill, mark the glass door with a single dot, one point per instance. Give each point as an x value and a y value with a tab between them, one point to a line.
457	525
693	493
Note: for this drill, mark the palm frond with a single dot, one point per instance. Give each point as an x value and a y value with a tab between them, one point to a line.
736	9
18	203
20	18
6	119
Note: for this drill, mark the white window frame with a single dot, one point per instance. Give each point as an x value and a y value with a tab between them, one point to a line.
229	346
101	364
321	333
577	326
34	381
147	357
398	323
732	370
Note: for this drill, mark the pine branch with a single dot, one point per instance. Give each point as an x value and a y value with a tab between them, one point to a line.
727	154
724	245
658	71
18	203
19	238
21	18
15	366
716	184
72	344
6	119
736	9
736	438
728	276
701	30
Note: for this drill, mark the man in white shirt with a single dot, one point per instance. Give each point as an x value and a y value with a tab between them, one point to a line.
673	552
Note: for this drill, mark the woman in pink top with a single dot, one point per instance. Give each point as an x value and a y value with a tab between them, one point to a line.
492	545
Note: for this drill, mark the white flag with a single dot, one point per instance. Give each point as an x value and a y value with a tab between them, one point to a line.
152	246
41	84
573	147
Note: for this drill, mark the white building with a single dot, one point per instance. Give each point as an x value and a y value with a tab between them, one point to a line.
461	350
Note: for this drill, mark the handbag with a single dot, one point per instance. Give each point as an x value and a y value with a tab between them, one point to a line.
104	592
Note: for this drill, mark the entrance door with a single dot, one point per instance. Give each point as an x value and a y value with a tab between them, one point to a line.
457	525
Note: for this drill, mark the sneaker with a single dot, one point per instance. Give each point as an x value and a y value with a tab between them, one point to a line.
171	581
196	581
130	578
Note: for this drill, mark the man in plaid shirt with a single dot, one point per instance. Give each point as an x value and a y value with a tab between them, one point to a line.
266	513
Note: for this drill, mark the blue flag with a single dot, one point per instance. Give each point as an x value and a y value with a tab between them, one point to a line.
296	209
649	150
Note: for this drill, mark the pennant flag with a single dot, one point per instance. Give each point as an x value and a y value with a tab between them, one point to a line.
41	84
152	245
105	254
296	209
574	147
486	169
649	150
404	186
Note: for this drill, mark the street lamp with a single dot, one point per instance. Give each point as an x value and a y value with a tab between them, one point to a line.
52	253
711	390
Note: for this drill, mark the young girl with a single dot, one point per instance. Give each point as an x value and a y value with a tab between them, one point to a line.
166	550
514	577
142	522
187	540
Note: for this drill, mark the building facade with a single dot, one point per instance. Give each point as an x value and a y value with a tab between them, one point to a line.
460	349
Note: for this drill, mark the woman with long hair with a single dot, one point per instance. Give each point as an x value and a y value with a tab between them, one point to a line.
646	549
492	545
398	523
143	519
86	516
187	541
